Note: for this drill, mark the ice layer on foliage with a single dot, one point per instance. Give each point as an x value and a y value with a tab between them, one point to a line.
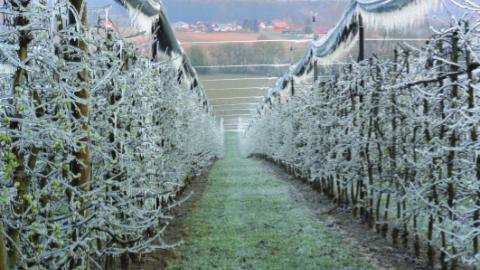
148	133
314	132
145	14
406	110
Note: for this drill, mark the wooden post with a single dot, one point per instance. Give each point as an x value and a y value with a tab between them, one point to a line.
81	166
155	41
361	56
361	34
315	70
292	85
81	110
20	177
454	139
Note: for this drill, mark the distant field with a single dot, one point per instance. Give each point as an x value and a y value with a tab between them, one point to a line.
235	36
189	36
231	36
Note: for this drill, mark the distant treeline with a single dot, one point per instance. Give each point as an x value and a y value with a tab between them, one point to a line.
245	54
273	53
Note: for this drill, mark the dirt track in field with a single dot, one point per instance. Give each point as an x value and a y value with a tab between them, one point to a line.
250	214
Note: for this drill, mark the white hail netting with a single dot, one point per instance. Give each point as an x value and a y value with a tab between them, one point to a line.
148	134
385	14
143	13
398	139
140	20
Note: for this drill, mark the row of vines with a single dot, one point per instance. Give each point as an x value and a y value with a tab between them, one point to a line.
96	140
396	141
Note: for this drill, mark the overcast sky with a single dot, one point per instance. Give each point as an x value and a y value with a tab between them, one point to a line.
238	10
328	11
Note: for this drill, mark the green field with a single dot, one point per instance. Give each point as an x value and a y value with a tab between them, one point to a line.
248	219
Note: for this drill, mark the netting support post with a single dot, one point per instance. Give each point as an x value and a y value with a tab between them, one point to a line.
155	29
361	34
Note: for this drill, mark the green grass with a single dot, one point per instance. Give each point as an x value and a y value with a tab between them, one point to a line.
248	220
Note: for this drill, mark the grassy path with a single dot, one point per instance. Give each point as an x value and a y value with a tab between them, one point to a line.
247	219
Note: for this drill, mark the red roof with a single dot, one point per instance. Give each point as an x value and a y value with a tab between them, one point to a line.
321	30
107	24
280	25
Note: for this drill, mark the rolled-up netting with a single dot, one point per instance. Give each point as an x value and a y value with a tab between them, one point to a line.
143	12
386	14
